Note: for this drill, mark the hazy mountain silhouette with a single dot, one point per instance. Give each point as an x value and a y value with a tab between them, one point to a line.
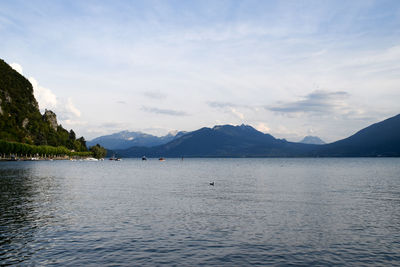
126	139
313	140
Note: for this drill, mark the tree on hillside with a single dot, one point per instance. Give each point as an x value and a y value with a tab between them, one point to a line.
20	117
98	151
82	141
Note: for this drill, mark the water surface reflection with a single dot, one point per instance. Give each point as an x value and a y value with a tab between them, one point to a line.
260	211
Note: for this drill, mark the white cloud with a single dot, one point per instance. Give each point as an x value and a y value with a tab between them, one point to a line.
170	112
17	67
263	127
237	113
45	97
68	114
65	109
70	122
229	107
285	53
282	131
70	107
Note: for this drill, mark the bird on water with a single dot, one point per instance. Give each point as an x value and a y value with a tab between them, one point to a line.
212	183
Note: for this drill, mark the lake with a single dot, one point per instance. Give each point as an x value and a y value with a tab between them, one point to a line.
275	212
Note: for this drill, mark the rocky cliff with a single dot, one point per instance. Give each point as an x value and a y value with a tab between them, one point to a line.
20	118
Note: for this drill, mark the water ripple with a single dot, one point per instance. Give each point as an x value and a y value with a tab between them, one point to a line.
274	212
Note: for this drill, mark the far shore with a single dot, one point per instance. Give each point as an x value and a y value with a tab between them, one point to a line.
40	158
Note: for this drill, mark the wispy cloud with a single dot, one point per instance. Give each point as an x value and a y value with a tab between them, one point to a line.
255	53
237	113
316	102
229	107
218	104
67	111
154	95
112	125
71	108
170	112
73	123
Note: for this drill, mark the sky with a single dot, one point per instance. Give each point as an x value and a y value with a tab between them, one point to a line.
288	68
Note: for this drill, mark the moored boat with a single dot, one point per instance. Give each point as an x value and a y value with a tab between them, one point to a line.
91	159
115	158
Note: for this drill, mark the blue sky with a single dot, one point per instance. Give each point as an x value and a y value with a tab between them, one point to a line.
289	68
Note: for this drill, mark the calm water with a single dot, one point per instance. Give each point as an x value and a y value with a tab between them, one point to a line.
260	212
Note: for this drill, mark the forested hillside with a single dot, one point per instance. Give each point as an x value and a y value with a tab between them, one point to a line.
21	120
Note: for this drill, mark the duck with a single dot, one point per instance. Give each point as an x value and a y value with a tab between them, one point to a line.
212	183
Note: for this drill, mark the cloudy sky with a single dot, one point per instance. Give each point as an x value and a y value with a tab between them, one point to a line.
289	68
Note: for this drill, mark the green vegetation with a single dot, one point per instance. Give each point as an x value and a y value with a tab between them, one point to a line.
98	151
24	131
21	120
26	150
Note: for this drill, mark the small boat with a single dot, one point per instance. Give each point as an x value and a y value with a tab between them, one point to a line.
115	158
161	159
144	158
90	159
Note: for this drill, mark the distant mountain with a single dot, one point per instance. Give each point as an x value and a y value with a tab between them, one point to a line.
222	141
379	139
313	140
126	139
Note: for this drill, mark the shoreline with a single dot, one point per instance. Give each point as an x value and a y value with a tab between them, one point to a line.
42	158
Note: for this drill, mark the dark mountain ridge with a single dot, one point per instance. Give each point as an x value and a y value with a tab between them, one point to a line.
222	141
380	139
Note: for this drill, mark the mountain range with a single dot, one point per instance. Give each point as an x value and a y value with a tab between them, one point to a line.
313	140
380	139
127	139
